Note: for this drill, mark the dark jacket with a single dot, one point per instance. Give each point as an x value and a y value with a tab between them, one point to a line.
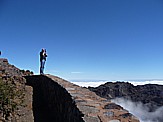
43	56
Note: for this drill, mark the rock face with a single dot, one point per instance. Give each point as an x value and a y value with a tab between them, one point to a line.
150	94
11	73
51	102
52	99
8	70
55	99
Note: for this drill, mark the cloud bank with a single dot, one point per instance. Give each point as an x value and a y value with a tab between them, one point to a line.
86	84
95	84
140	110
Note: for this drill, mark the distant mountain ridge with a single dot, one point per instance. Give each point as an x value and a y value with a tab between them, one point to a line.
149	94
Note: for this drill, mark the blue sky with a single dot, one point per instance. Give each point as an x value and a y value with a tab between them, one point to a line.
85	39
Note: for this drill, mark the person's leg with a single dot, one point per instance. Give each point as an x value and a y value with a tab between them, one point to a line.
42	66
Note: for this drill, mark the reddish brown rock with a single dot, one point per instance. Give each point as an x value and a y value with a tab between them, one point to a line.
94	108
52	99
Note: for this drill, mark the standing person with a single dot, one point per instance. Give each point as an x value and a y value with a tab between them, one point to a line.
43	56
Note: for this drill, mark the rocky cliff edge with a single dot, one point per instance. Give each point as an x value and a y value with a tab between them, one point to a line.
48	95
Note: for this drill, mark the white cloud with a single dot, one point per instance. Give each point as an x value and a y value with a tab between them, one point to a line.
76	72
97	83
147	82
86	84
140	110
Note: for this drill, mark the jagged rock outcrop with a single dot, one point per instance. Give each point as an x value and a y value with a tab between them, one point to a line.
8	70
149	94
53	99
10	73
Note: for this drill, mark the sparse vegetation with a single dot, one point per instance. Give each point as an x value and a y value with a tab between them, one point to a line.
11	97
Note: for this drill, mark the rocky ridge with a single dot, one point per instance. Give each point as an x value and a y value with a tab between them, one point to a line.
10	73
150	95
90	107
94	108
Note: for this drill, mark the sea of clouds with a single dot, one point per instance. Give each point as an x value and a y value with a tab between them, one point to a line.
97	83
136	108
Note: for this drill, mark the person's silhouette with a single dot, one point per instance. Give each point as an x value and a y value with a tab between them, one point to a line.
43	56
